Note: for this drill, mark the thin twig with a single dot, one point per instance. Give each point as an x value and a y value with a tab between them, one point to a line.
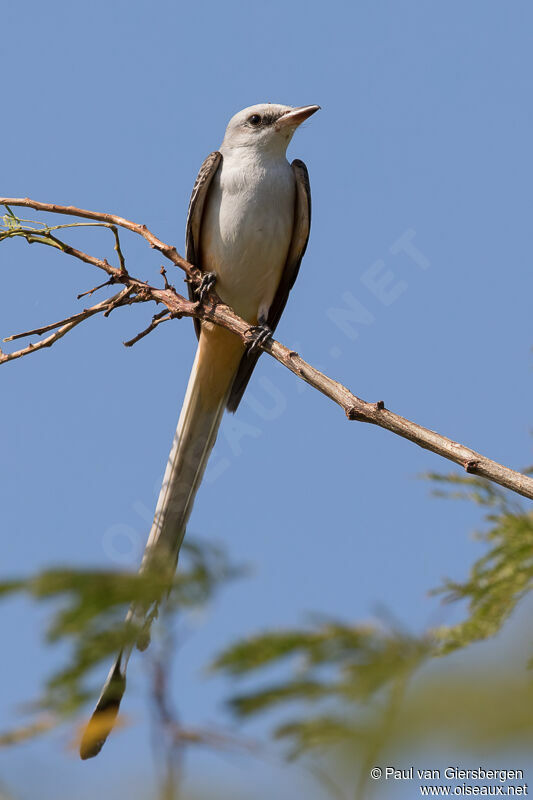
118	249
79	317
70	323
30	233
94	289
163	316
52	208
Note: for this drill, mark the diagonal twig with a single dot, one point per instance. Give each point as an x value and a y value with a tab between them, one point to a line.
63	327
157	319
95	289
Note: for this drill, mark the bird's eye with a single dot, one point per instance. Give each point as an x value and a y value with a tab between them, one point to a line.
254	120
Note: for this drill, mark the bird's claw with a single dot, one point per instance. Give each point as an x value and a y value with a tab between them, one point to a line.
208	281
260	334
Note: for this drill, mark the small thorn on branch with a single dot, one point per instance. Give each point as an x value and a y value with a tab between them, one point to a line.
353	414
163	272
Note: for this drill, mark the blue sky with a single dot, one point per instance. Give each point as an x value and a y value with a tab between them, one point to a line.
425	132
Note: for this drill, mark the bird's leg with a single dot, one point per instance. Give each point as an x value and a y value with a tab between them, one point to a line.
260	334
208	281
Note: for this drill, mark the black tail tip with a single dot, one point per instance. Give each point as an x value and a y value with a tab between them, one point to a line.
103	719
97	730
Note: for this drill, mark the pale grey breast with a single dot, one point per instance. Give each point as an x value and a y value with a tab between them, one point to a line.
246	230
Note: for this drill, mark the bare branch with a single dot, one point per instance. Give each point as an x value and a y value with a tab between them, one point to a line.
213	310
66	325
41	234
52	208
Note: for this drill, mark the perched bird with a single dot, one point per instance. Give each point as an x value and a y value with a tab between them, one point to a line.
247	229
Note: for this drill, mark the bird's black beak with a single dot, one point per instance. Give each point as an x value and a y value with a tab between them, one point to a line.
294	117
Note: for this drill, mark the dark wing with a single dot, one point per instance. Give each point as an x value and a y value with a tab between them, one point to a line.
300	236
194	216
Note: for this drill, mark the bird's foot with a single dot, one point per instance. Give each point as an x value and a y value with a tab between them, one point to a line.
260	334
208	281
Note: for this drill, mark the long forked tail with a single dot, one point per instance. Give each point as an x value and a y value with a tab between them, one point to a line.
217	359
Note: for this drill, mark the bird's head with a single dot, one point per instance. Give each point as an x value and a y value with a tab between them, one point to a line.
265	127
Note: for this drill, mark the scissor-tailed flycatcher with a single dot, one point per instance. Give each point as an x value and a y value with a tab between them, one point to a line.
248	226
